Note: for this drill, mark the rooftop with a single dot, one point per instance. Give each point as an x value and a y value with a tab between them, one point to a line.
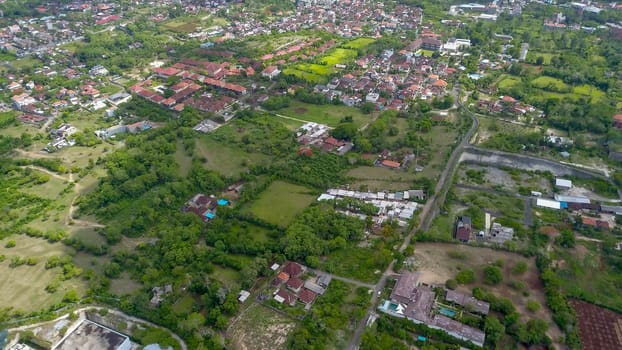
90	335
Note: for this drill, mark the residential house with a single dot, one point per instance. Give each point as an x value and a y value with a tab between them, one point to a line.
283	296
464	229
271	72
307	296
294	284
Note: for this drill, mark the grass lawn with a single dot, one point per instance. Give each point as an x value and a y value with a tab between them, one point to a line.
26	289
183	160
181	25
362	264
426	53
338	56
532	56
281	202
225	275
508	82
317	69
260	328
184	305
328	114
224	159
588	90
549	83
309	77
359	43
584	274
381	174
124	285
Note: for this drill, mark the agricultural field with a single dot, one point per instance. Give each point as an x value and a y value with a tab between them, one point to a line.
438	262
26	290
329	114
588	90
318	73
281	202
532	56
599	328
259	328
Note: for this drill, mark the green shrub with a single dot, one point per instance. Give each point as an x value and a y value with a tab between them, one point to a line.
519	268
533	306
492	274
451	284
465	277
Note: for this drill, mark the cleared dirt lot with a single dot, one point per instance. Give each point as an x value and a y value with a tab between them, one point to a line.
438	262
259	328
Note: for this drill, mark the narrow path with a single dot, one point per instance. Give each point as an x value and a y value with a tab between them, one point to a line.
588	239
343	279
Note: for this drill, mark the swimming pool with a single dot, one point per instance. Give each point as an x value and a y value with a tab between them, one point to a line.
446	312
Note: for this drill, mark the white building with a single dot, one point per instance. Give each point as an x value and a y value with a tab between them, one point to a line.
563	183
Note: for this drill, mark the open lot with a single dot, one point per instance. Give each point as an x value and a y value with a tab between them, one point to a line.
549	83
599	328
26	289
359	43
224	159
381	179
510	180
259	328
329	114
584	273
438	262
281	202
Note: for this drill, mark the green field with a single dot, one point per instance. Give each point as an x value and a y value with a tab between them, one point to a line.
532	56
184	161
309	77
281	202
426	53
339	56
317	69
181	25
508	82
588	90
26	289
551	84
359	43
329	114
224	159
362	264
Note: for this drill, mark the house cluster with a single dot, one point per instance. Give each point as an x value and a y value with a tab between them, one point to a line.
205	207
37	35
398	206
508	105
417	302
492	232
390	80
347	19
314	134
191	77
289	287
61	137
592	214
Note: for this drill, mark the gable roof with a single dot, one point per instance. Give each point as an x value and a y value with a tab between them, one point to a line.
306	296
295	283
293	269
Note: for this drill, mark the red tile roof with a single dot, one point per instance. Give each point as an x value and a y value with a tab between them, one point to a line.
306	296
390	163
292	269
295	283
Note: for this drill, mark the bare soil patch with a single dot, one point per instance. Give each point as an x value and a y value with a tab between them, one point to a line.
259	328
301	110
